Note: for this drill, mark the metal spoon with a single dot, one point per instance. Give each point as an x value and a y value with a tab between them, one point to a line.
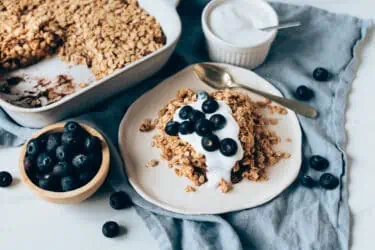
281	26
218	78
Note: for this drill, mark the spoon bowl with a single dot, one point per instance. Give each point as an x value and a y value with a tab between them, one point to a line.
214	76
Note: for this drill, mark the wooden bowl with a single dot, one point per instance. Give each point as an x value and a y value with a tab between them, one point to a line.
80	194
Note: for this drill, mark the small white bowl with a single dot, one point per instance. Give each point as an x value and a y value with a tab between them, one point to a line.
245	56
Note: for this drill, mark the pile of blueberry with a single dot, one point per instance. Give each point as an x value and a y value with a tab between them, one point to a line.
304	93
326	180
62	162
195	121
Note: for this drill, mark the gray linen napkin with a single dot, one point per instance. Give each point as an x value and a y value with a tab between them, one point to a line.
299	218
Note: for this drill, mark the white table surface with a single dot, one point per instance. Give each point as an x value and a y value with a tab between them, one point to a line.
29	223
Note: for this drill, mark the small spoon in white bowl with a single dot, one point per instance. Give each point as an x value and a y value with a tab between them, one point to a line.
281	26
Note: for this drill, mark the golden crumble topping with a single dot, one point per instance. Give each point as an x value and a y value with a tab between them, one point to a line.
147	125
152	163
224	186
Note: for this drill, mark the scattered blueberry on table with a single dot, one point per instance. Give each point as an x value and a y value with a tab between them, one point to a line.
326	180
318	162
62	162
110	229
320	74
304	93
6	179
120	200
307	181
329	181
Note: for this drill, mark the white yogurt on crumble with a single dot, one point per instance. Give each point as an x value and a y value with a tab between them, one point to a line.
218	165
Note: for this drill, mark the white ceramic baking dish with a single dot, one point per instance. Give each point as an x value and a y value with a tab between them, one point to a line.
165	13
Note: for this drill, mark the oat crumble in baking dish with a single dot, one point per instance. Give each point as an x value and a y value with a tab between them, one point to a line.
104	35
257	139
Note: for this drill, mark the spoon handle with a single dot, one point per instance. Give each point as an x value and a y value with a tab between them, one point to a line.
282	26
298	107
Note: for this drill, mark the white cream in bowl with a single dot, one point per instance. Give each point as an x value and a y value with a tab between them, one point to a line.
231	29
235	22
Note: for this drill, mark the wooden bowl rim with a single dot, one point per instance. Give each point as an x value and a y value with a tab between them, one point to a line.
102	172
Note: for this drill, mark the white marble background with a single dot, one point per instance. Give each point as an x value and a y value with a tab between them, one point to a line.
29	223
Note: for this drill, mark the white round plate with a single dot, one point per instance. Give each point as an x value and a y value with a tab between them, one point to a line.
160	186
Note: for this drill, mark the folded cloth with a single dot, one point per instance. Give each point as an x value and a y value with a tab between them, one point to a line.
300	218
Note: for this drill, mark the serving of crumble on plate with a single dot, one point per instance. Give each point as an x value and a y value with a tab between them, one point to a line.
255	134
267	146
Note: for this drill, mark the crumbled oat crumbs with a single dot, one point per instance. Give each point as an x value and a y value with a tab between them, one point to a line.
224	186
83	85
147	125
263	104
277	109
152	163
46	92
256	136
189	189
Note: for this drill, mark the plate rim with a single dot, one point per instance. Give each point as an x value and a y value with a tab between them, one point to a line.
124	152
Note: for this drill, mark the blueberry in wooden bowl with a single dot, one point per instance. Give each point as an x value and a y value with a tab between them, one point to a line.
65	163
